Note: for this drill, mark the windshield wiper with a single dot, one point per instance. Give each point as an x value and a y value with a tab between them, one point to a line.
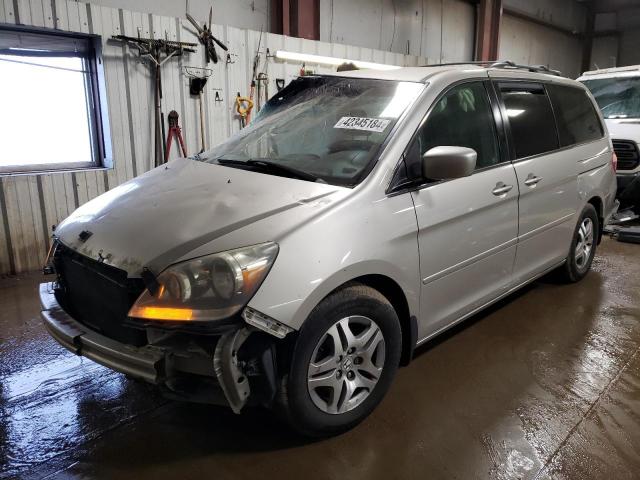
294	172
268	165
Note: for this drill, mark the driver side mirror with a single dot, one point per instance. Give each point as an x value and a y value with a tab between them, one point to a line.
446	162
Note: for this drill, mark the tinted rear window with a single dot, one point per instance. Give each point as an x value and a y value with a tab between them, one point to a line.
577	119
533	128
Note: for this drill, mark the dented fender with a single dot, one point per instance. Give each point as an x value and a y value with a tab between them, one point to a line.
337	248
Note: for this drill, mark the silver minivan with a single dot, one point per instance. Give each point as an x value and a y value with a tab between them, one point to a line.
299	263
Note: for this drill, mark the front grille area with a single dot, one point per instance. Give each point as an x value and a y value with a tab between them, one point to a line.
627	153
97	295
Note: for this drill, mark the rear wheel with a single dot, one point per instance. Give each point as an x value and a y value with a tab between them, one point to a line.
583	245
343	363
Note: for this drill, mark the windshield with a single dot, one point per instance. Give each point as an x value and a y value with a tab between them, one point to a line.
617	97
326	129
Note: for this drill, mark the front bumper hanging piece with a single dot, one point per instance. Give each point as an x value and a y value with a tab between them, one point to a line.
233	381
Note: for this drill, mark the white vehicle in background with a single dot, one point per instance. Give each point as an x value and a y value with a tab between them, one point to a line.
617	91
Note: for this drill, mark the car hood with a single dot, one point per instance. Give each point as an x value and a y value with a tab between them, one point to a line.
624	129
161	216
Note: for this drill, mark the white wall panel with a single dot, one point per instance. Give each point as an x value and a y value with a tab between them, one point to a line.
567	14
630	47
240	13
604	53
532	44
624	49
605	21
20	220
458	31
436	29
629	19
6	15
33	203
5	255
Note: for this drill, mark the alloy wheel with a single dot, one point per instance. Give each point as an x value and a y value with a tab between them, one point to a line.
346	364
584	243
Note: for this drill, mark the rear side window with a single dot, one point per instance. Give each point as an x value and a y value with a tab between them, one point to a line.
533	128
577	119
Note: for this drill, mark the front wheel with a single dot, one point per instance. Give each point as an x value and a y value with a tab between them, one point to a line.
583	245
343	363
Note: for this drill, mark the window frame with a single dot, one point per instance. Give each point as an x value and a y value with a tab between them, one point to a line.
507	122
544	82
397	187
96	103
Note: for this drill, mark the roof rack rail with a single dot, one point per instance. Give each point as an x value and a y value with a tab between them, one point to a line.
506	64
470	62
531	68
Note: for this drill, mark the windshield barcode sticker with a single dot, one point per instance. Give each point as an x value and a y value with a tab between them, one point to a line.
362	123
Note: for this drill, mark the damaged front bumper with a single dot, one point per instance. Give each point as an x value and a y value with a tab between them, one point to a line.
233	369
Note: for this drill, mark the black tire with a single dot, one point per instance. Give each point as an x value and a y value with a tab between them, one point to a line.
295	399
572	271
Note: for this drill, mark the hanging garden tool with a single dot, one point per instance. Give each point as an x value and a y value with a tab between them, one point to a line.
254	77
206	37
159	52
262	93
197	80
244	106
262	83
174	130
252	90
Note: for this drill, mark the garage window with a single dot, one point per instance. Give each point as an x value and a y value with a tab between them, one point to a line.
577	119
533	128
52	115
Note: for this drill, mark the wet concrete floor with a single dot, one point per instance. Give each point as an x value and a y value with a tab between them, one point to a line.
544	385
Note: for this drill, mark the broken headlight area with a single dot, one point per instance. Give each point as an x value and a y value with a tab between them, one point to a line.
239	368
209	355
265	323
213	287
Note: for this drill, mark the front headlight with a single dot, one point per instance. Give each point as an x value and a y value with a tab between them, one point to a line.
207	288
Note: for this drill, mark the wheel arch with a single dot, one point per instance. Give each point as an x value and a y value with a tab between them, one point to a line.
393	292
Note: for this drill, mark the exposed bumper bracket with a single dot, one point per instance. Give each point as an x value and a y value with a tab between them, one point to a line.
146	363
233	381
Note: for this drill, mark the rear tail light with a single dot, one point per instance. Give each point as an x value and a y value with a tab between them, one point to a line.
614	162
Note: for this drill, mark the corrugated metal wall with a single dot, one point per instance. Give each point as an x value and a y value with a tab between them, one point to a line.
31	204
252	14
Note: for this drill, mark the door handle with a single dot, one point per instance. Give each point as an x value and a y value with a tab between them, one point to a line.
532	180
501	189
